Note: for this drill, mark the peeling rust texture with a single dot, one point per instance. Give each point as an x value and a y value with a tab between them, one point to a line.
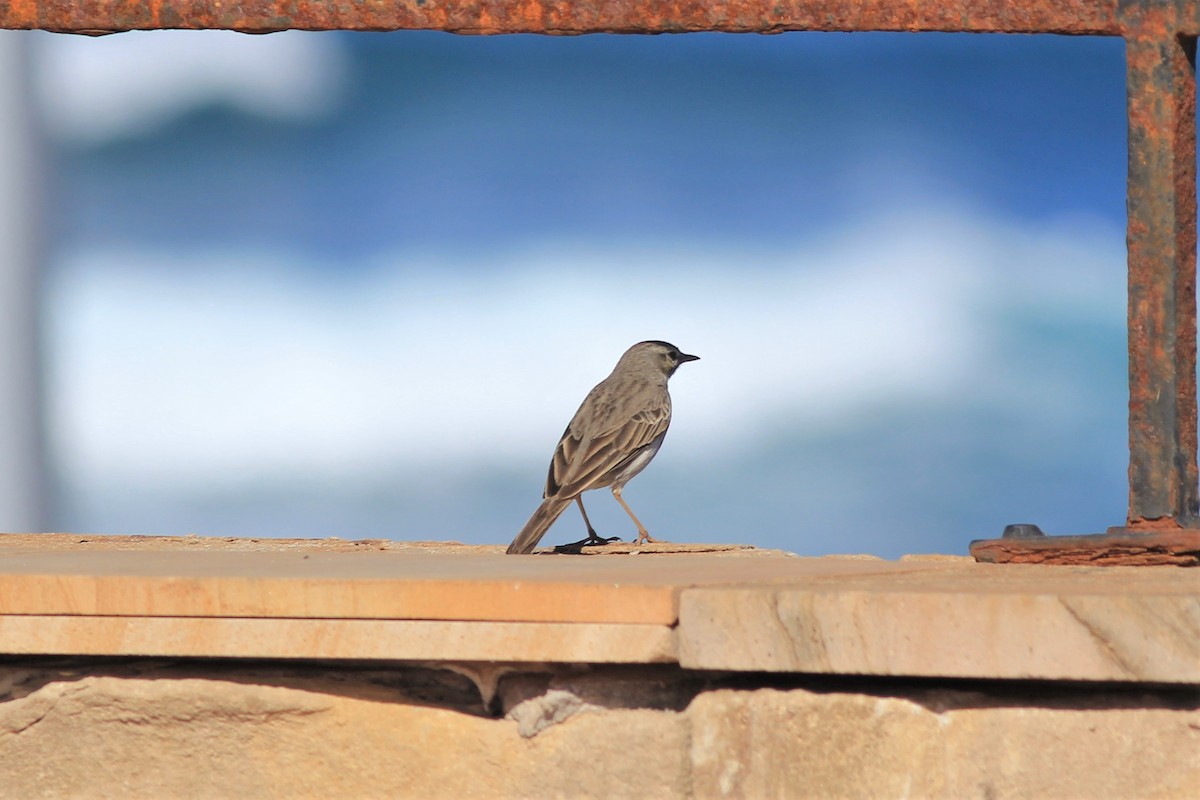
1161	240
1117	548
577	16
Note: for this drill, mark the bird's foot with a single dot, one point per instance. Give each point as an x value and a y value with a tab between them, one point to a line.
644	536
594	539
591	541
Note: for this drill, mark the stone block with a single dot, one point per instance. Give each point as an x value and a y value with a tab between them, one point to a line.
209	730
388	640
948	745
1019	622
165	736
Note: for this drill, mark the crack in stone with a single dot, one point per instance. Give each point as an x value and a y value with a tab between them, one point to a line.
805	631
48	706
17	731
1102	642
777	615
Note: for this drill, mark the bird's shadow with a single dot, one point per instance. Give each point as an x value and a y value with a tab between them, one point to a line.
576	548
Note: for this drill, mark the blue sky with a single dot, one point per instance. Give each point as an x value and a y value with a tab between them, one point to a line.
705	137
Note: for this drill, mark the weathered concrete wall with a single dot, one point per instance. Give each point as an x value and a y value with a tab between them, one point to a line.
237	729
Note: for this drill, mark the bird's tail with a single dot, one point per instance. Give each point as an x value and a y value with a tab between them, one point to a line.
538	524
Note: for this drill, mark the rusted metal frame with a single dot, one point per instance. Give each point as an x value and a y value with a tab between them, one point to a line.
577	16
1161	97
1118	547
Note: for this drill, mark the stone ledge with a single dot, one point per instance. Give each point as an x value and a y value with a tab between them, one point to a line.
343	639
173	577
1051	635
733	610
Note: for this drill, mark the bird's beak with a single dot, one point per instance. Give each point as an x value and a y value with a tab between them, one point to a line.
684	357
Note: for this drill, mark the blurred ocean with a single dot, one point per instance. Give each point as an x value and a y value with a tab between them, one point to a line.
355	284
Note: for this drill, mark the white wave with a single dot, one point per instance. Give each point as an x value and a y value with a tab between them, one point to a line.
91	89
223	366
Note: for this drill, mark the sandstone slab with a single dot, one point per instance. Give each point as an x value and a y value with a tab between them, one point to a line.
737	610
1015	622
387	640
169	736
940	744
174	578
155	731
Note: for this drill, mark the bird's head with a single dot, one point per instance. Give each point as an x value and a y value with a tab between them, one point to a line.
663	355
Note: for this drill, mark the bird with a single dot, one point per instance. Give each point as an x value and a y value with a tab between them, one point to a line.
616	432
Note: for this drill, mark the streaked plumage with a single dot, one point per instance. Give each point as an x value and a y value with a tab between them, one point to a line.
612	437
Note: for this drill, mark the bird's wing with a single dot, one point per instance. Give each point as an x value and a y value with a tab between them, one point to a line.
583	462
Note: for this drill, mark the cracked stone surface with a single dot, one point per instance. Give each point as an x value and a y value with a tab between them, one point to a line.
154	730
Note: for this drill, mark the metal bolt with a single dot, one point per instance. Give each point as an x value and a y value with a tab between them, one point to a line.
1022	530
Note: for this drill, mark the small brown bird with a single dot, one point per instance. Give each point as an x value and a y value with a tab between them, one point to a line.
612	437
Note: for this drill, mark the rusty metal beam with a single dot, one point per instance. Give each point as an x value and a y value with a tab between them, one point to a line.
1117	547
1105	17
1161	236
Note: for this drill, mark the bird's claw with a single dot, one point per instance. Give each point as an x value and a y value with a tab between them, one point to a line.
591	541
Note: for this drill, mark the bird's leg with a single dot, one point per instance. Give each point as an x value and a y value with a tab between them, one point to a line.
592	537
643	534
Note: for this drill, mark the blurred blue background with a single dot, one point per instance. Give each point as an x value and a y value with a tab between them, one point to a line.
356	284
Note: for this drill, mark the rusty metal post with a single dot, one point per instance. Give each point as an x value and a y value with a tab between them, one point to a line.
1161	85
